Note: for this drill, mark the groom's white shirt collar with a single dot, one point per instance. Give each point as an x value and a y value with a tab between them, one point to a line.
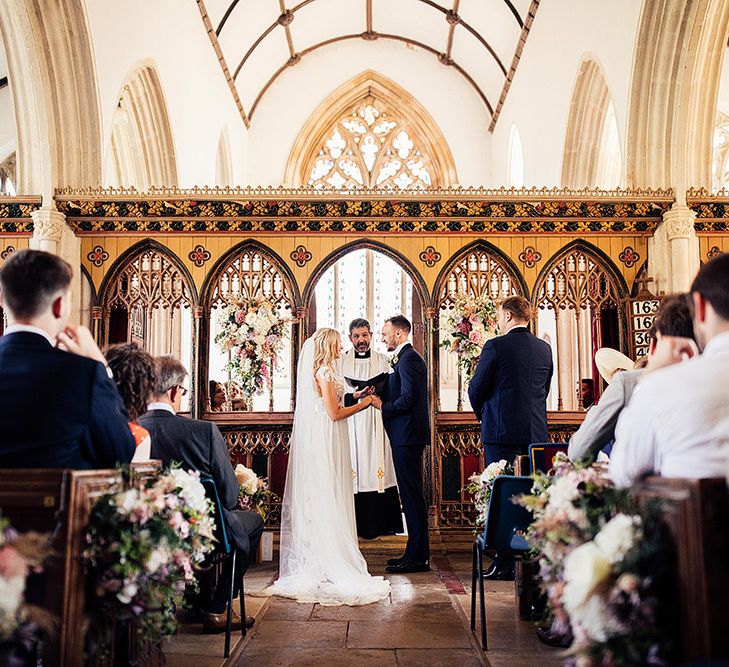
160	406
399	348
29	328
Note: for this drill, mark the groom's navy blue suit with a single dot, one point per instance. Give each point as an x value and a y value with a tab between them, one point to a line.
406	418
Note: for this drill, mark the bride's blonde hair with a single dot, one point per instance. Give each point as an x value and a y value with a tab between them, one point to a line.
327	343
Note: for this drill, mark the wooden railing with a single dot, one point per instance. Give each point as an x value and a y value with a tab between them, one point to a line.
260	441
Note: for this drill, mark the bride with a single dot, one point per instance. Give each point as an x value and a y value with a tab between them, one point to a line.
320	558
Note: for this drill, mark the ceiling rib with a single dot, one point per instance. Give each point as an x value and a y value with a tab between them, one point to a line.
452	18
371	36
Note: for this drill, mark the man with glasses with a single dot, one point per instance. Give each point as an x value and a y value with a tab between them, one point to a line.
198	445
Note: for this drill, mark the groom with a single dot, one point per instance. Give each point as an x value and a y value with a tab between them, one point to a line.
406	418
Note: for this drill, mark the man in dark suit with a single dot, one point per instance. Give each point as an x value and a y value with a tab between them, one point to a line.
508	392
58	409
198	445
406	418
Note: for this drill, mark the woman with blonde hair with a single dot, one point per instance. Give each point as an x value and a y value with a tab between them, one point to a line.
320	557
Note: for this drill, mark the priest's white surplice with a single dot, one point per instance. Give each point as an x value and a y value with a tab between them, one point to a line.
372	467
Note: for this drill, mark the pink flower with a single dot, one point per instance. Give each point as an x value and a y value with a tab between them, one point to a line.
240	316
464	327
475	337
12	564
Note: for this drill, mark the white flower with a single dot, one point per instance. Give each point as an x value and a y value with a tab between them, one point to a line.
562	493
584	570
11	595
618	536
127	501
593	617
156	559
191	490
247	479
126	594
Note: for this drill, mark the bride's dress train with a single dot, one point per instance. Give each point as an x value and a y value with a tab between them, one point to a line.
320	558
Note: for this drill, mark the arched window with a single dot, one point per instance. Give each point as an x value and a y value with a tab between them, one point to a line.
7	176
592	153
578	296
370	133
478	271
720	161
142	151
371	146
516	160
364	283
148	300
251	272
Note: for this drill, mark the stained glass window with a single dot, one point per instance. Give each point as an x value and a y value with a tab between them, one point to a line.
371	146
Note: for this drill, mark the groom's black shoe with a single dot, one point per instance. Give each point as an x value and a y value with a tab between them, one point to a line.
406	566
395	561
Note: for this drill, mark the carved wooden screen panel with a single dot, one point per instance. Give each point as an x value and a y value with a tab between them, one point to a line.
479	272
149	302
579	304
250	274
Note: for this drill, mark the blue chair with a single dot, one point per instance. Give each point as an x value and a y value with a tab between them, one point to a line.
541	455
505	525
224	550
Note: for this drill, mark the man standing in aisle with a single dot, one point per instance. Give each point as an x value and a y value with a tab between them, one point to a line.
508	393
376	501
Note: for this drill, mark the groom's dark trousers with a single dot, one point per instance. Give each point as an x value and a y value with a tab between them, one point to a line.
406	418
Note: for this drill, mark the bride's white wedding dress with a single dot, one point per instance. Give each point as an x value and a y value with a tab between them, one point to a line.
320	558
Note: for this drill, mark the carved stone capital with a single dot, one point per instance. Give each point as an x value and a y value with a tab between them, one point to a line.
48	225
679	222
96	312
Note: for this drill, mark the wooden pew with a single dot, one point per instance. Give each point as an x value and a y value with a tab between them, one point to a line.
696	512
58	502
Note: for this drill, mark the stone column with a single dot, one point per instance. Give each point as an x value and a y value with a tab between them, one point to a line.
52	234
673	251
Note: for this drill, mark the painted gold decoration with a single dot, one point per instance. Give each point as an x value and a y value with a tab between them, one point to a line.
713	253
15	214
7	252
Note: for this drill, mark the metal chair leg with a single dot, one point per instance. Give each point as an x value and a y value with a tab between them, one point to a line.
474	571
242	600
484	645
229	614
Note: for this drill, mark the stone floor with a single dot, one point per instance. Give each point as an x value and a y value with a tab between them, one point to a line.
424	622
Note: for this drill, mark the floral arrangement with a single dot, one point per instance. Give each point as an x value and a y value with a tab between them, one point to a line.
605	566
253	333
144	545
468	325
255	496
480	486
20	554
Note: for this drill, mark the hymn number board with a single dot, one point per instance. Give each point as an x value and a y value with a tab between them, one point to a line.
643	312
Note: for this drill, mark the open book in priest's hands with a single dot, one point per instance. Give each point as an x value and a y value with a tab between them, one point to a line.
378	382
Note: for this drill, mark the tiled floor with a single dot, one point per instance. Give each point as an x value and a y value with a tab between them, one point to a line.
423	623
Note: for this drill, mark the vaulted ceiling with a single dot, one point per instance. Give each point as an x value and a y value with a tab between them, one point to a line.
257	40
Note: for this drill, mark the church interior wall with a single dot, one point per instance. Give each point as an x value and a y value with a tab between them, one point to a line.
563	34
7	122
197	96
453	104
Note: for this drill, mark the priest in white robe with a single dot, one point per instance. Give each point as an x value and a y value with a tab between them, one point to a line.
376	500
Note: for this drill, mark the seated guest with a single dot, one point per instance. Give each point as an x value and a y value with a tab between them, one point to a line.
198	445
677	423
673	326
217	394
59	408
586	391
135	379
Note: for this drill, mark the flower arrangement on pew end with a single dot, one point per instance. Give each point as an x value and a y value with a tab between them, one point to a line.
606	566
254	496
480	487
144	545
21	624
467	326
254	334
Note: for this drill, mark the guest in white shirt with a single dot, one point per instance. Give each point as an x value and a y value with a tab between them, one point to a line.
677	423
